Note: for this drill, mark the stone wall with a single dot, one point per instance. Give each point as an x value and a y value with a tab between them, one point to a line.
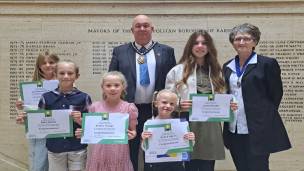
86	32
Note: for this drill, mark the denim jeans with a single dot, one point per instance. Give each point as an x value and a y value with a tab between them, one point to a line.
38	155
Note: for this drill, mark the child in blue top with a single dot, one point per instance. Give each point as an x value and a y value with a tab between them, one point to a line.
66	154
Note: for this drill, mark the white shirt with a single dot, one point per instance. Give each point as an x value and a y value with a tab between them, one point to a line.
239	121
143	94
175	74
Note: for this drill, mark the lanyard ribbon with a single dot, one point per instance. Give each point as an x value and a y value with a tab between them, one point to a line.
238	69
146	51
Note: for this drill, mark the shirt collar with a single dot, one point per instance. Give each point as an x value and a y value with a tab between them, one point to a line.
253	60
73	91
146	46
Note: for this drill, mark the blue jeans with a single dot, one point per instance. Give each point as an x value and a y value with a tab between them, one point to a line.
38	155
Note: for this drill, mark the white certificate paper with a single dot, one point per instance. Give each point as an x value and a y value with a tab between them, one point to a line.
31	92
49	124
167	142
170	157
211	108
105	128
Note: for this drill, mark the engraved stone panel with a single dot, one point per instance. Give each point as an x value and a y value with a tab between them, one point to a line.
89	39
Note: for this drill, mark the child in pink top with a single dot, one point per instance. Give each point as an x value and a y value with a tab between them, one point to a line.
112	157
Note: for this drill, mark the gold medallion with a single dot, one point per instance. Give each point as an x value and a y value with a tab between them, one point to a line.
141	59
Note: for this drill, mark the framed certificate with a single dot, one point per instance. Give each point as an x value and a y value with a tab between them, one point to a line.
105	128
31	92
48	124
211	108
167	142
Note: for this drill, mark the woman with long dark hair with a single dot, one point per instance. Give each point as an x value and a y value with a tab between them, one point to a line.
199	71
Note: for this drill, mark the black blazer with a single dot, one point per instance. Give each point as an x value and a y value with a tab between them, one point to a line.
262	93
124	60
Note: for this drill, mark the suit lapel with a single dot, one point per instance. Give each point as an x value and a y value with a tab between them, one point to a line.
157	52
132	59
227	73
248	69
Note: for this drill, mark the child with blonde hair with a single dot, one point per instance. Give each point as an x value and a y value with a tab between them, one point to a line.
66	154
166	102
44	70
112	157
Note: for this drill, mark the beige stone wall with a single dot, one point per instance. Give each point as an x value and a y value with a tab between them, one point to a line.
86	32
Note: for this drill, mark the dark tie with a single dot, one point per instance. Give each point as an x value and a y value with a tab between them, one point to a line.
144	72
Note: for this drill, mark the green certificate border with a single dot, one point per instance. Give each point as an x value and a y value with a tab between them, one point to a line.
212	96
106	141
48	113
174	150
38	84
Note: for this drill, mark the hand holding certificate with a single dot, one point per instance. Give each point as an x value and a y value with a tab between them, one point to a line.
31	92
49	124
210	107
105	128
167	142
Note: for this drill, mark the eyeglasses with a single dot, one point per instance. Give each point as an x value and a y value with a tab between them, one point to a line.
245	39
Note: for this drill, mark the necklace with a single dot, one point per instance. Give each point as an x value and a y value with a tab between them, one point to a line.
141	59
239	71
142	53
238	83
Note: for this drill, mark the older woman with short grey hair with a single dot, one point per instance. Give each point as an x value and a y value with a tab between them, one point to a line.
255	82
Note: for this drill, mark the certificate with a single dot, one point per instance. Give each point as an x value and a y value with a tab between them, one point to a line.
105	128
167	142
31	92
172	157
49	124
211	108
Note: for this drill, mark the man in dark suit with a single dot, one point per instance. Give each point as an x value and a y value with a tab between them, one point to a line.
145	64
